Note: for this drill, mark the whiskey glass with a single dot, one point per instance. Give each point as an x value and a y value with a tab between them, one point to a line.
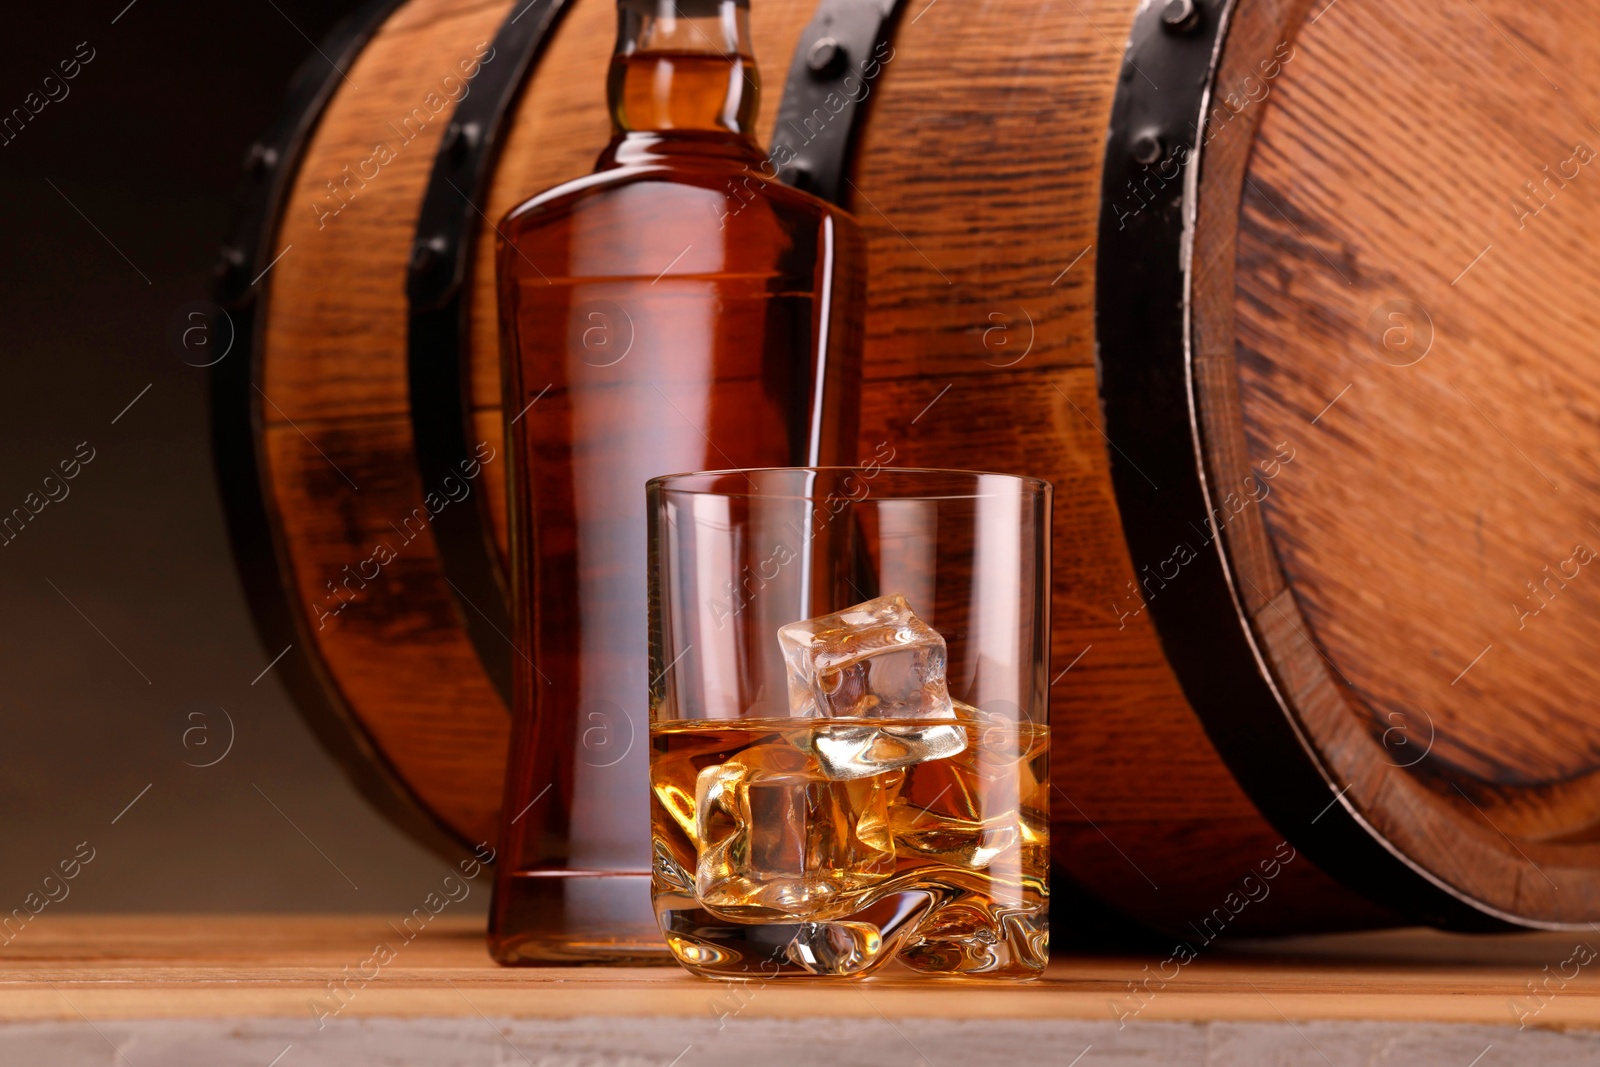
849	733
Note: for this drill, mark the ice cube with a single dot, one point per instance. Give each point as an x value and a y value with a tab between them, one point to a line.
669	874
874	660
846	753
957	842
870	936
835	948
975	933
958	819
778	838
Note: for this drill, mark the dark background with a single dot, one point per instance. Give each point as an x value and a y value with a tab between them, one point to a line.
125	629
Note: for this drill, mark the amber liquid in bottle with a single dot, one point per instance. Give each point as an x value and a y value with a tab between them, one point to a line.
677	310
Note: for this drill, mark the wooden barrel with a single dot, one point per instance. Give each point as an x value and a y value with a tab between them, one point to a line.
1296	329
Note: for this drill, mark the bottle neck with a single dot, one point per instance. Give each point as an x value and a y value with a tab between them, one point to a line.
683	75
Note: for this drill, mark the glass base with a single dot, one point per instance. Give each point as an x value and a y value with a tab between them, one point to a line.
566	918
902	934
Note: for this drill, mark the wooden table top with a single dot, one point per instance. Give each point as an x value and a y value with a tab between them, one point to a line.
168	967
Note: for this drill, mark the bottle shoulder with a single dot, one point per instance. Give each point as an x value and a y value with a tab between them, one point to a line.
645	219
697	188
560	199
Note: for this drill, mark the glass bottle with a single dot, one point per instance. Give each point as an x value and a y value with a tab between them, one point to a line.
676	310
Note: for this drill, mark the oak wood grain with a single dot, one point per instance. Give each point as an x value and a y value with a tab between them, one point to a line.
1416	338
337	455
107	967
388	625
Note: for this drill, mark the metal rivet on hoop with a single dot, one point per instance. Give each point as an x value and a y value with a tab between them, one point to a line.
1147	148
826	58
1180	16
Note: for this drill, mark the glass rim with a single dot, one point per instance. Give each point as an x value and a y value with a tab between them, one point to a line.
679	483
